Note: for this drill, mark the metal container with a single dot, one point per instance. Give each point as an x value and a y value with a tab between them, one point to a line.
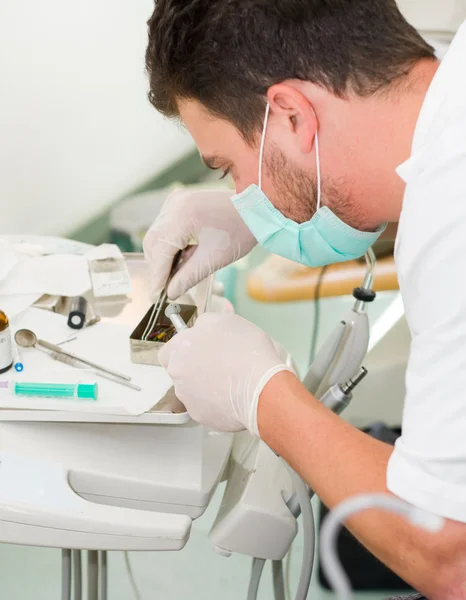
146	352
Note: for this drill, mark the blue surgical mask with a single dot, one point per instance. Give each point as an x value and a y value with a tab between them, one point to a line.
323	240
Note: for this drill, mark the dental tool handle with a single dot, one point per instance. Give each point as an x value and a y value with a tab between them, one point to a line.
172	312
177	262
178	323
89	363
324	359
336	400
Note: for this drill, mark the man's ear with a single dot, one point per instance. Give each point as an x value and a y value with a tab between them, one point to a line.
295	113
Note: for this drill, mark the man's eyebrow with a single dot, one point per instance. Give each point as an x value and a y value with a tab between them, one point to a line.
212	162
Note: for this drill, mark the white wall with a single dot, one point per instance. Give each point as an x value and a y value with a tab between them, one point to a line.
435	18
76	129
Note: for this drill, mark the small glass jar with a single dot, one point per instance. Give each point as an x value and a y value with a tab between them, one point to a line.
6	347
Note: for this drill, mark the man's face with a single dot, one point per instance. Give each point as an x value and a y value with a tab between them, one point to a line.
288	176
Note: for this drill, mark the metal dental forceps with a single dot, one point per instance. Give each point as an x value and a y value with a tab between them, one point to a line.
157	310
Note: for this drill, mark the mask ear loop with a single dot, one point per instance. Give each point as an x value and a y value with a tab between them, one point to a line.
319	187
261	156
261	151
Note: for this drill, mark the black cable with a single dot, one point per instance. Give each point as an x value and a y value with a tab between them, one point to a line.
316	324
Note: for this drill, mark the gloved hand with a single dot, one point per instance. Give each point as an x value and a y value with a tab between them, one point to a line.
209	218
219	368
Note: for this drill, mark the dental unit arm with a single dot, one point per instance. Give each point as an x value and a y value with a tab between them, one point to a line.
341	357
263	494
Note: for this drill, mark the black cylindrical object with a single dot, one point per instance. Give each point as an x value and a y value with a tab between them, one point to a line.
77	315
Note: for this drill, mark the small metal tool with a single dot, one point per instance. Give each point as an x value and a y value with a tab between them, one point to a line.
340	395
70	339
28	339
63	358
172	312
154	318
17	361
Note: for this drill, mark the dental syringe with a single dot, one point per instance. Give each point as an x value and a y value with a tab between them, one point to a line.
81	391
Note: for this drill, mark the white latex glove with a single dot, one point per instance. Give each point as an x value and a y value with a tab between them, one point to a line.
209	218
219	368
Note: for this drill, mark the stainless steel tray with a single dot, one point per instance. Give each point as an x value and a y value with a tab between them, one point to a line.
146	352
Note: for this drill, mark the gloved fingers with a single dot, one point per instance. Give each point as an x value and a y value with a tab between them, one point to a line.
186	277
204	261
215	250
180	345
219	368
210	323
167	236
195	269
160	269
159	258
165	354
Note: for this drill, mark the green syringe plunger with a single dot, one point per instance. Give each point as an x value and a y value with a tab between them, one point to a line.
81	391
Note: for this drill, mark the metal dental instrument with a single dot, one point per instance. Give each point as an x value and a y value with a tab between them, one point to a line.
67	360
79	365
155	315
172	312
339	396
71	339
28	339
342	354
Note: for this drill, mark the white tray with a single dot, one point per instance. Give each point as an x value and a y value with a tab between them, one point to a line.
169	410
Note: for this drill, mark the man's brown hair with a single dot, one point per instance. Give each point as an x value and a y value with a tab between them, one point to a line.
227	53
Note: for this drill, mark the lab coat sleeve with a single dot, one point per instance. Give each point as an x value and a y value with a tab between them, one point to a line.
428	466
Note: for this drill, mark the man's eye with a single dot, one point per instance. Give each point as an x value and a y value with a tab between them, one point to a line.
225	173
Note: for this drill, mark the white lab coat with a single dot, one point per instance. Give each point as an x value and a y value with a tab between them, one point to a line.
428	466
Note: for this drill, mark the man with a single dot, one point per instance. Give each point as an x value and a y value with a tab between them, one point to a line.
334	119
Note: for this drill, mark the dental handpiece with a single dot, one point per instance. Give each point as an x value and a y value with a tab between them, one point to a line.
338	396
172	312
